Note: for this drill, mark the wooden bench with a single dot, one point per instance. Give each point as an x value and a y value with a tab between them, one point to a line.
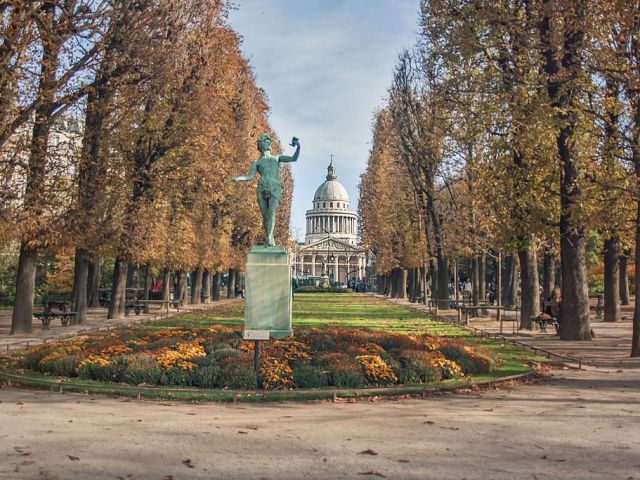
66	318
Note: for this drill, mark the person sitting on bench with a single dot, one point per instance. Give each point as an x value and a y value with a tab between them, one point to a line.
552	312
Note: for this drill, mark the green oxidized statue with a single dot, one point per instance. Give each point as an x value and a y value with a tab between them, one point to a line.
269	186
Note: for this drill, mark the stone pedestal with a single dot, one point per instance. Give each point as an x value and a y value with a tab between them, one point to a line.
267	293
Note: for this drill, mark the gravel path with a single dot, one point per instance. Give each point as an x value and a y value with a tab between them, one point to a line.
577	424
574	424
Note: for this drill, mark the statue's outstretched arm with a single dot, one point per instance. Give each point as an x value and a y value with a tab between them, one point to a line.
294	143
249	176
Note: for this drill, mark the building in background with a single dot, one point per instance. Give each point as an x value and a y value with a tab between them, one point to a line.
330	247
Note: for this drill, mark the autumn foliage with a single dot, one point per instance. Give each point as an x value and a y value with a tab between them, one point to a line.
121	124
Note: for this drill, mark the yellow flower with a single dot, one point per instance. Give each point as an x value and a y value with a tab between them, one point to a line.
376	370
94	360
183	353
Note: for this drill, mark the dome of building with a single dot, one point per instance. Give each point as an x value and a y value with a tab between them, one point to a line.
331	189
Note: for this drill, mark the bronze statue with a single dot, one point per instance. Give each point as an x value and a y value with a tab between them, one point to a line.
269	186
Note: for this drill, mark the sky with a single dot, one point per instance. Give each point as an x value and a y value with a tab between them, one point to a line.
326	66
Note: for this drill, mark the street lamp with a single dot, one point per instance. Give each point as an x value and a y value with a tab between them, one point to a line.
325	265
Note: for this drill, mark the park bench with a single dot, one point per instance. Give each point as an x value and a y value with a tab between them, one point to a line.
66	318
543	321
136	306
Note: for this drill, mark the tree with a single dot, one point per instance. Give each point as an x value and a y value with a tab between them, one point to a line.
58	28
418	119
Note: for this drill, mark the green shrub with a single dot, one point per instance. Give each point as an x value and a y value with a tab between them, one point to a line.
61	367
417	366
238	376
177	377
415	372
346	375
32	359
142	369
225	355
112	372
309	376
207	376
472	359
215	347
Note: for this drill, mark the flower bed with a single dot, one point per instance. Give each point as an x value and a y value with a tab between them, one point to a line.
217	357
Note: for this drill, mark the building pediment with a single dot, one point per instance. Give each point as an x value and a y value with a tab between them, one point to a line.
332	245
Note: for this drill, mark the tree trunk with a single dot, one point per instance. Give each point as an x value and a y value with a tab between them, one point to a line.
509	286
196	286
166	284
414	284
215	287
206	286
240	282
612	279
181	284
148	280
132	277
394	283
93	296
22	317
482	277
529	286
80	284
575	292
442	279
433	273
624	278
402	283
635	335
549	272
118	289
231	286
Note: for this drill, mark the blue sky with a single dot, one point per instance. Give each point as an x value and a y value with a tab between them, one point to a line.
326	66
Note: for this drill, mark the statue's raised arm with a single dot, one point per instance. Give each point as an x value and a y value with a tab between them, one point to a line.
295	142
269	186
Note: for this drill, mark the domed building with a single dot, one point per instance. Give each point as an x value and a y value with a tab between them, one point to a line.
330	247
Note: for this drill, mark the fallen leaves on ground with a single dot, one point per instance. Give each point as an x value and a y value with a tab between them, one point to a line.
368	452
24	451
188	463
74	459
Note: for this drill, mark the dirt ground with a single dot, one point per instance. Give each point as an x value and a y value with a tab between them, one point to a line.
576	424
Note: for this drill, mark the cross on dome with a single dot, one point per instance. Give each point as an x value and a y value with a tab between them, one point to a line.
331	170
